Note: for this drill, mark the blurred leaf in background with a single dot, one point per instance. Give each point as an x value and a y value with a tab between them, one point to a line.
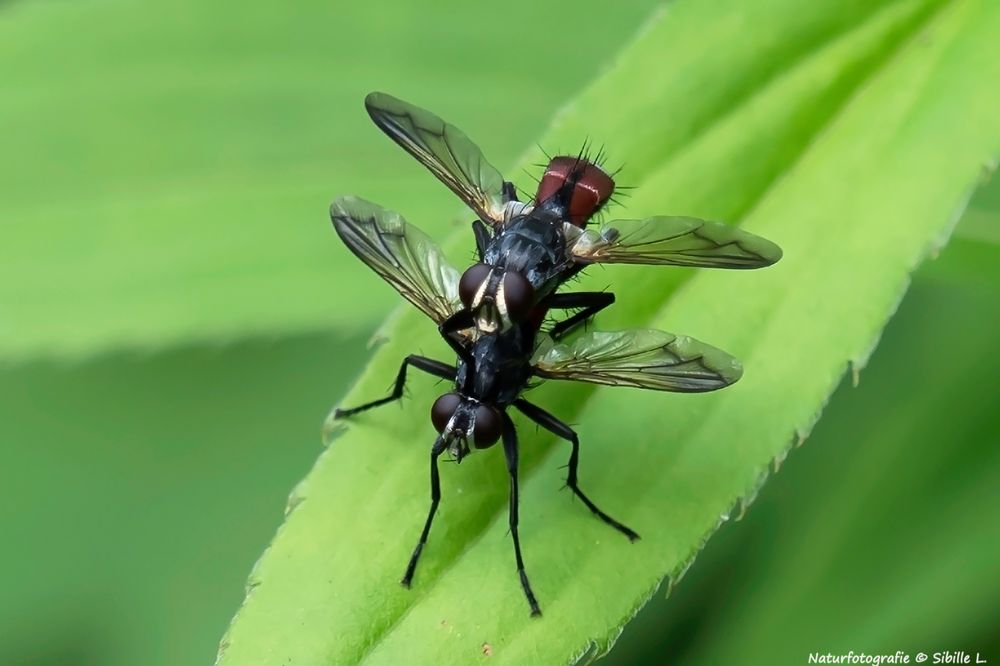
172	165
137	490
165	181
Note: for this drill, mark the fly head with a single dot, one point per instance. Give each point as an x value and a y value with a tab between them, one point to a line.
465	424
497	297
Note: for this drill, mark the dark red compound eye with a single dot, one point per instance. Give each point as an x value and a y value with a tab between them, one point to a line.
488	428
443	409
471	282
518	295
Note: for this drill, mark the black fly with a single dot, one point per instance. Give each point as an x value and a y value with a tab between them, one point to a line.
536	246
491	315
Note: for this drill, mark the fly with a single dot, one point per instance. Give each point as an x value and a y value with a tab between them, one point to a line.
498	352
528	249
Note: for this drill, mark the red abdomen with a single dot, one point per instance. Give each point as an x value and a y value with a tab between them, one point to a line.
578	185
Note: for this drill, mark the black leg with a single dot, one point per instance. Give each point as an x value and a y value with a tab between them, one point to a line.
560	429
458	344
428	365
591	303
510	453
459	321
436	450
483	237
509	192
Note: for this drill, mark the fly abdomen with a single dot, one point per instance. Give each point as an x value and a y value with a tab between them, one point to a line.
576	186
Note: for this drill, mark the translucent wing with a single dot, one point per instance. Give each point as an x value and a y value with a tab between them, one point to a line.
403	255
642	358
678	241
445	150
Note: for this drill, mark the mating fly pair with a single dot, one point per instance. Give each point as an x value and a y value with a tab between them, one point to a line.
492	315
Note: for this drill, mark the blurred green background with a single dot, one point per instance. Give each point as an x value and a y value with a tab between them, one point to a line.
152	428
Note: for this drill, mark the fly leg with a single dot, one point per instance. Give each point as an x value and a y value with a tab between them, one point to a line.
509	192
483	237
459	321
510	453
591	303
428	365
448	329
479	228
560	429
436	450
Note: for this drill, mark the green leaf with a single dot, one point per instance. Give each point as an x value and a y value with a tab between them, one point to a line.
982	218
848	134
167	174
874	537
918	484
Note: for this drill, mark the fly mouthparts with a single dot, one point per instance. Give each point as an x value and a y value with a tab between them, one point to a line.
458	447
487	325
488	318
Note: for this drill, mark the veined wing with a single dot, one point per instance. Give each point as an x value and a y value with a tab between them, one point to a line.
641	358
677	241
403	255
445	150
